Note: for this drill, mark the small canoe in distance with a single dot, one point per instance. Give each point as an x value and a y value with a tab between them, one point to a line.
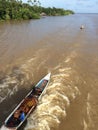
26	106
82	27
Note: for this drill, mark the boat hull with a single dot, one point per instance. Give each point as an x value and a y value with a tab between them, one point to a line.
26	106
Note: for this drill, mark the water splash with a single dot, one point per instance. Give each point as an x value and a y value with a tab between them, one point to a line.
3	128
90	123
11	82
53	105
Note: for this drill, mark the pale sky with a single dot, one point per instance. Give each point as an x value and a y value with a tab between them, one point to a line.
79	6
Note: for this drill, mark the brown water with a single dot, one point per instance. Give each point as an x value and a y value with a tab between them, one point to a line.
31	49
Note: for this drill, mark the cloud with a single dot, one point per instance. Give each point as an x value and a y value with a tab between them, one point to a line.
97	3
89	6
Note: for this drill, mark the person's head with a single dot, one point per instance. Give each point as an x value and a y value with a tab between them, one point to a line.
21	111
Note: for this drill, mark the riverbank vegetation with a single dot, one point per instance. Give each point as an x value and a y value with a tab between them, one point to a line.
16	9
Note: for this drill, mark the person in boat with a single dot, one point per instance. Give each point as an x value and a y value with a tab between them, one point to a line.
22	116
35	92
38	90
44	84
32	102
29	102
82	27
41	87
24	108
15	119
16	114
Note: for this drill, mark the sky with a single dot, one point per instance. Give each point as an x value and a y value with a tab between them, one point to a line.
78	6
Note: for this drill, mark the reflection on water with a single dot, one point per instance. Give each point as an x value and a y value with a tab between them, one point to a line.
31	49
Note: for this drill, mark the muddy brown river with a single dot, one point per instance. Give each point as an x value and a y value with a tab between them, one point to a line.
31	49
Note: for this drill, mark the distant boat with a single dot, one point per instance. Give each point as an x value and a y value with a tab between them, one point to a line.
26	106
82	27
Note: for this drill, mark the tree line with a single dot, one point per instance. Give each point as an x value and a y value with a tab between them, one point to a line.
16	9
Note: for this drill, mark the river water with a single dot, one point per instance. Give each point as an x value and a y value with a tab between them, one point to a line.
31	49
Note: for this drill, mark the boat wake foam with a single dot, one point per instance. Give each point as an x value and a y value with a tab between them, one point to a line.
3	128
18	77
53	105
9	84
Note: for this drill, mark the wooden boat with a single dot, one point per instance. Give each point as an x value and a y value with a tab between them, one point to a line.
26	106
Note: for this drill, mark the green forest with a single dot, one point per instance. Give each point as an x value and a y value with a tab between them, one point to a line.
17	10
